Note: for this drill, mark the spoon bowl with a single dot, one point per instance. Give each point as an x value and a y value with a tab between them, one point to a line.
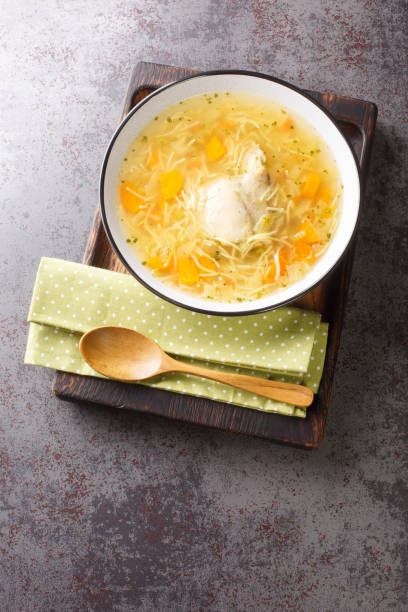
125	354
118	352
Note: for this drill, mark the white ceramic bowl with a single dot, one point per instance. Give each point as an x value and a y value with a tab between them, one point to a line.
251	82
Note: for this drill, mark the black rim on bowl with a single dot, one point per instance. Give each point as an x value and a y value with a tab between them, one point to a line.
249	311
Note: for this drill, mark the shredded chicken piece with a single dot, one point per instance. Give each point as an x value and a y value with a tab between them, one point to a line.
231	207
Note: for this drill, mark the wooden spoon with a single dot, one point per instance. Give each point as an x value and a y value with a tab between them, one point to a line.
125	354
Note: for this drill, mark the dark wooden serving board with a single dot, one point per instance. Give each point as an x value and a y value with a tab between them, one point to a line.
356	118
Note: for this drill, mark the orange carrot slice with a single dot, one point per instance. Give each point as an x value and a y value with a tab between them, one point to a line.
188	271
215	149
311	185
307	233
156	263
271	274
325	195
288	124
206	261
171	183
303	251
129	197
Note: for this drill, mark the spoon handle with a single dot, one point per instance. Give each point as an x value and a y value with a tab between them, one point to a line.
297	395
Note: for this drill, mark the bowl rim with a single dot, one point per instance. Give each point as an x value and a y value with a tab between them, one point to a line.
164	296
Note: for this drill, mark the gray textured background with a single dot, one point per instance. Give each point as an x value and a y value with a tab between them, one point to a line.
115	511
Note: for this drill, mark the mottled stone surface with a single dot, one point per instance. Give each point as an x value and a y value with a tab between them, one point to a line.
104	510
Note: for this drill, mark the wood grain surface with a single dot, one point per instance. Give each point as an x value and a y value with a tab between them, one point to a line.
356	119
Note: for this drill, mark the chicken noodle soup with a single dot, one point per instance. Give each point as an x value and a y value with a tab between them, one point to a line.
229	196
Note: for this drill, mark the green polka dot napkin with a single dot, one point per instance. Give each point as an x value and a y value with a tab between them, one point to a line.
287	344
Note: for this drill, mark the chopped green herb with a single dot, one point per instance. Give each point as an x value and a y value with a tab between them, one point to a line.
125	158
128	240
217	255
274	123
283	111
329	236
169	119
144	263
156	118
325	171
144	138
289	195
215	95
292	127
